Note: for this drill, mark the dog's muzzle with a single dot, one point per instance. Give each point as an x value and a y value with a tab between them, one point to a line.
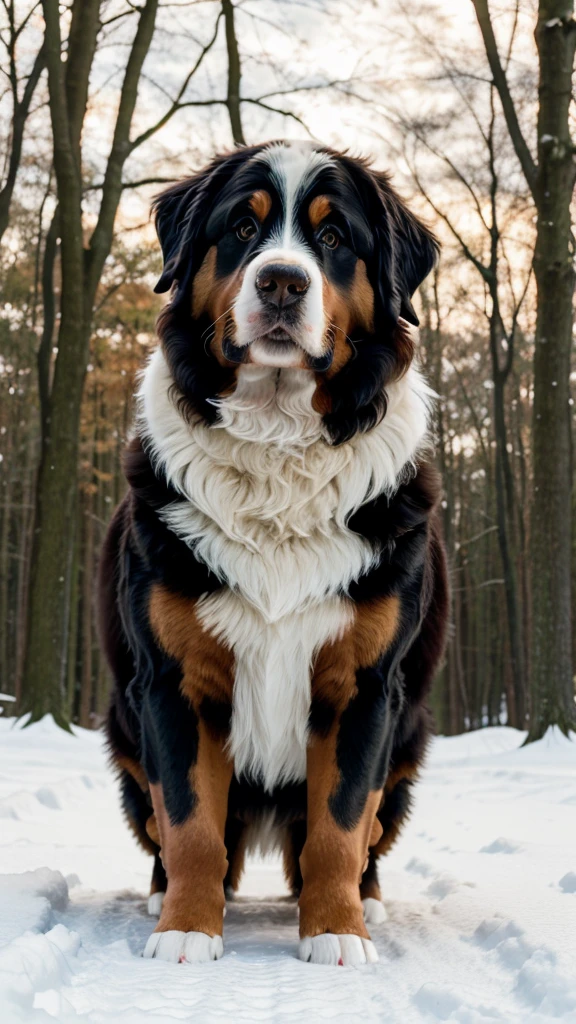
279	314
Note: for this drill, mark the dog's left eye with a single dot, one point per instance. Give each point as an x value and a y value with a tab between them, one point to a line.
246	229
329	238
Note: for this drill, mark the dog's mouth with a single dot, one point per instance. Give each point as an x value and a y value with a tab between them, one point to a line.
276	346
278	336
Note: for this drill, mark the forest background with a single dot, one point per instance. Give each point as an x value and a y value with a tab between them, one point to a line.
470	106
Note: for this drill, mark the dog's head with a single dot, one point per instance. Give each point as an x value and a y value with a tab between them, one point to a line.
291	255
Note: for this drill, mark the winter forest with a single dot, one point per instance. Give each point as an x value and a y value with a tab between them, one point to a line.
468	105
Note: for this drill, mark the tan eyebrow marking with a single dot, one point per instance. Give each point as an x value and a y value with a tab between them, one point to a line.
319	209
261	203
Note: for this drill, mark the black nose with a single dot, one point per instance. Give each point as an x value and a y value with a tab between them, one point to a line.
282	284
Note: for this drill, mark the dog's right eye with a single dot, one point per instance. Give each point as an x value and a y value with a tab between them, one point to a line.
246	229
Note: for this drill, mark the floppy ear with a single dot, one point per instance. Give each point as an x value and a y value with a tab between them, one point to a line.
409	251
172	209
181	212
403	253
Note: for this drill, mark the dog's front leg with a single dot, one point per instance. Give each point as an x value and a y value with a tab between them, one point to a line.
185	728
332	929
356	694
194	857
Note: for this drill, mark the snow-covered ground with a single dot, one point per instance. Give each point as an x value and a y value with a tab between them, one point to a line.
480	893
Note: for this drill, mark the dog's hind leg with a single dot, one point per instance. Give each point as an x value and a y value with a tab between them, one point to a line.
137	807
374	910
158	886
291	853
234	840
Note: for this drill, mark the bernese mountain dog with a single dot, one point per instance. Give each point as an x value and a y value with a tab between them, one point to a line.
273	588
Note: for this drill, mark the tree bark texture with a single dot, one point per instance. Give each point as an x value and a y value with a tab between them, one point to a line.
552	684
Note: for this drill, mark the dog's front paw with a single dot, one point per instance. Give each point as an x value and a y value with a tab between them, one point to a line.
184	947
343	950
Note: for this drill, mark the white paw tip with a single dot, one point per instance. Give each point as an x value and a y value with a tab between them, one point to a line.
155	901
374	911
184	947
337	950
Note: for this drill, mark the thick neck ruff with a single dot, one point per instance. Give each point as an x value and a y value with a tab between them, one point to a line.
265	499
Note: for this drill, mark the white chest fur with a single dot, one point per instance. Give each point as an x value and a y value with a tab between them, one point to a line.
264	503
272	681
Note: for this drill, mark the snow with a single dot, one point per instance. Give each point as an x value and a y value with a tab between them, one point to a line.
480	894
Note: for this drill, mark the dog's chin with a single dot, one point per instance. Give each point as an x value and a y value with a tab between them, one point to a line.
278	349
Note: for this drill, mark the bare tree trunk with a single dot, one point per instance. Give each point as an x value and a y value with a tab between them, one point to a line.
234	74
44	676
47	627
5	520
25	549
552	681
551	180
73	629
86	678
505	519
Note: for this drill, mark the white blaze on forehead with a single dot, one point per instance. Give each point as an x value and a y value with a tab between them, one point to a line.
292	168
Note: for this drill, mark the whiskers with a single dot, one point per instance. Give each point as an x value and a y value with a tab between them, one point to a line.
334	327
207	336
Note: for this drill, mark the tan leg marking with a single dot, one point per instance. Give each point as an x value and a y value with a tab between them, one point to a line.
289	865
370	889
123	763
333	858
193	854
237	863
152	829
134	768
403	771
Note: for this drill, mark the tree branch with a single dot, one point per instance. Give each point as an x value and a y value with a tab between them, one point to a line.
480	267
527	162
177	105
19	116
455	170
66	165
285	113
101	240
473	414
